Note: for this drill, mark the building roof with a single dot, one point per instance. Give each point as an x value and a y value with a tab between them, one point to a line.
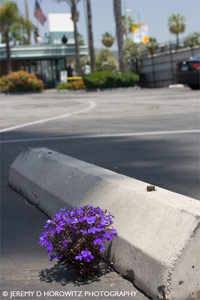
41	51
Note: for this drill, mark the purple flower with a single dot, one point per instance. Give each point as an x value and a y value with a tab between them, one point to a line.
87	255
103	223
78	230
92	230
49	223
63	209
90	220
99	229
52	232
78	257
58	256
89	258
72	213
108	236
102	248
51	257
58	229
114	232
74	221
98	240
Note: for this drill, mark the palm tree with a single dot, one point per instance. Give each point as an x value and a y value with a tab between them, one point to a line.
81	41
8	15
119	31
20	30
107	40
176	25
90	35
75	16
152	46
28	28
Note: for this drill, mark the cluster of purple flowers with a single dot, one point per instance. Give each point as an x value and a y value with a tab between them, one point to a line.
78	235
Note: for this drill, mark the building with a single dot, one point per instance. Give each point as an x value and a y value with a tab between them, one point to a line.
49	58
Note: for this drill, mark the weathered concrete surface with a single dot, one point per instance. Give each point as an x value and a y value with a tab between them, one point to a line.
158	245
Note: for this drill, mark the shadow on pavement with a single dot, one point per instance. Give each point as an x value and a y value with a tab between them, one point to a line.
65	274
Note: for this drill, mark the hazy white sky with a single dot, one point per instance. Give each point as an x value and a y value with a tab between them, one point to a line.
154	12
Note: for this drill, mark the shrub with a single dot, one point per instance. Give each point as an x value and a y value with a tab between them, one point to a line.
76	237
106	61
109	80
132	52
72	85
20	82
192	40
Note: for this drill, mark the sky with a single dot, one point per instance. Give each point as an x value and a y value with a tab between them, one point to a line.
154	12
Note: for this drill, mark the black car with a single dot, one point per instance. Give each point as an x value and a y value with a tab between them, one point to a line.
188	72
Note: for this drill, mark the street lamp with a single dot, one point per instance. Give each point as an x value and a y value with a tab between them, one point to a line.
139	21
127	11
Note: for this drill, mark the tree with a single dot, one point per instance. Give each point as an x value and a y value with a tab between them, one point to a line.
20	30
107	40
132	53
176	25
28	23
152	45
8	15
81	41
192	40
28	27
129	22
90	35
75	17
106	61
119	31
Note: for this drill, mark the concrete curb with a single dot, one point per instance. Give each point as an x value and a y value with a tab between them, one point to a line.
159	234
124	89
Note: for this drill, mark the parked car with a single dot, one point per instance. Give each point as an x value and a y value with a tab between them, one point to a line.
188	72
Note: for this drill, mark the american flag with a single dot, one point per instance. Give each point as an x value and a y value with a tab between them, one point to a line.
38	13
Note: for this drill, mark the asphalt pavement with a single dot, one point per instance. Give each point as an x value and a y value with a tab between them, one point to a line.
151	135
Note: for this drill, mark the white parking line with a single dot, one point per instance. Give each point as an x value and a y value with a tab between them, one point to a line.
96	136
92	104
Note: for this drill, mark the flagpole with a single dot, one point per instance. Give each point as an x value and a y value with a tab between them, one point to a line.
39	15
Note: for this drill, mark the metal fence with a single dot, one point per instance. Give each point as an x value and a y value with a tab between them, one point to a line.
159	70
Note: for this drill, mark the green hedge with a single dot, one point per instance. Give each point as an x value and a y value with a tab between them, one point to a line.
103	80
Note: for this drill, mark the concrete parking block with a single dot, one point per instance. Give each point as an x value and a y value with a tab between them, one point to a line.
159	234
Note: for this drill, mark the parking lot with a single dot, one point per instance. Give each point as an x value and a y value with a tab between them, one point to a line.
148	134
152	135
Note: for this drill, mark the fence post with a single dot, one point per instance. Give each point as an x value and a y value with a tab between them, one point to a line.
171	61
192	50
153	71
